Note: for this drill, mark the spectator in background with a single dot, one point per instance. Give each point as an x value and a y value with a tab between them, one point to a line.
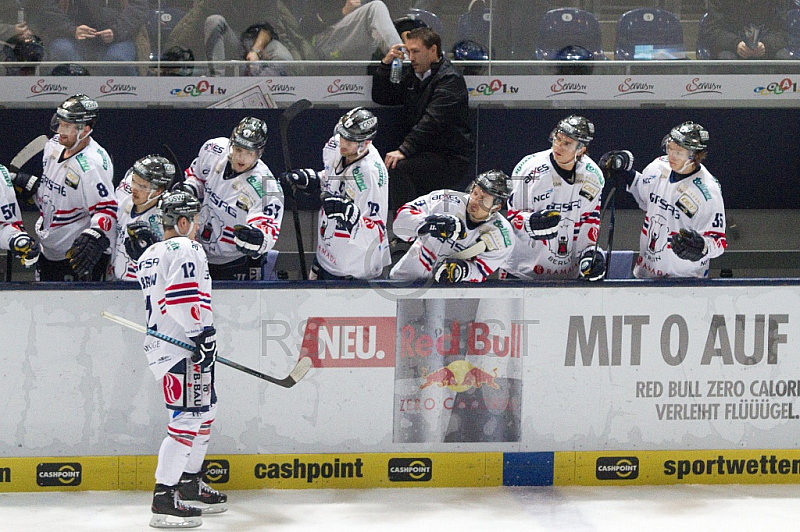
258	42
438	143
746	29
18	39
93	30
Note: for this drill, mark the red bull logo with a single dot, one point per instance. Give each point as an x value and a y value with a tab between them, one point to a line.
460	376
479	341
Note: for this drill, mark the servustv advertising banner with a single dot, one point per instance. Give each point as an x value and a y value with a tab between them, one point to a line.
508	368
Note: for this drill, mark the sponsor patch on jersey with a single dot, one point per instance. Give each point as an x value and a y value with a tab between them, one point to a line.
503	231
594	232
72	179
81	158
244	203
703	188
589	191
104	222
358	177
195	312
6	176
255	182
687	205
381	174
173	389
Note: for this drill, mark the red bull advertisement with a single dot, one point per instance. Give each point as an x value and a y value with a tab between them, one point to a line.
458	370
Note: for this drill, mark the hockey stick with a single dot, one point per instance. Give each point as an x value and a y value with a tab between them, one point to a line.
610	201
178	168
298	372
286	117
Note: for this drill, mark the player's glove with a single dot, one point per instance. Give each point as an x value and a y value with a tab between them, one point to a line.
451	271
25	185
302	178
87	250
592	265
140	237
248	240
443	226
206	352
342	209
619	165
25	249
689	245
542	225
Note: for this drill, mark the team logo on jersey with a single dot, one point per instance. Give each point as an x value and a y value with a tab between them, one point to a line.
173	389
195	312
243	202
687	205
589	191
656	228
105	223
561	245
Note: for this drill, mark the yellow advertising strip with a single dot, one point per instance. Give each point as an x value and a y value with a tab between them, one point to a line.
58	474
677	467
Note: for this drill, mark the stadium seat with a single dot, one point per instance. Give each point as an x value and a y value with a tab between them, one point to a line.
474	28
569	26
703	51
432	21
163	20
793	46
649	33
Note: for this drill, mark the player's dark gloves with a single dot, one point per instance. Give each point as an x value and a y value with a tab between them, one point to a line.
542	225
140	237
25	249
689	245
619	165
451	271
443	226
25	185
341	209
87	250
592	265
302	178
248	240
206	352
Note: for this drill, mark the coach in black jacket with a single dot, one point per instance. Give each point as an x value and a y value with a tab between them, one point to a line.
438	145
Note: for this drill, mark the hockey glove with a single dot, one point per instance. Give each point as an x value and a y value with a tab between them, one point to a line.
25	249
140	237
619	165
248	240
303	178
25	185
451	271
689	245
341	209
592	265
206	352
542	225
443	226
87	250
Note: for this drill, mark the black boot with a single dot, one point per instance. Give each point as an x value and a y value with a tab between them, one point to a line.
192	489
166	503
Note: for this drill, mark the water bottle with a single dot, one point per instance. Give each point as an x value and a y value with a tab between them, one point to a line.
397	71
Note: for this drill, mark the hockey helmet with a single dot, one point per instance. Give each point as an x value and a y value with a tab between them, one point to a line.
176	205
467	50
250	134
156	170
358	125
689	135
575	127
27	48
78	109
495	183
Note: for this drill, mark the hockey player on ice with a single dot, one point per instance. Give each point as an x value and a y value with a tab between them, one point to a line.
176	285
75	196
138	224
13	236
684	222
554	208
351	239
457	237
242	201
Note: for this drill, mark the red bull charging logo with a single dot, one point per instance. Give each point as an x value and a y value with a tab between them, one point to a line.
460	376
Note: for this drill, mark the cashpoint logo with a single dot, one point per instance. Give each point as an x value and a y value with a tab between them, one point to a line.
410	469
59	474
617	468
217	471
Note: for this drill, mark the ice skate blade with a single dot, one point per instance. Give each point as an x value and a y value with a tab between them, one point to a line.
207	509
172	521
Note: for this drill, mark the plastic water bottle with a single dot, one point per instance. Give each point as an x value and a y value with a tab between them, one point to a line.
397	71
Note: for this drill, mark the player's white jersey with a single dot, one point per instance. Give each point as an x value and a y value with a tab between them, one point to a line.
251	198
364	253
427	251
536	186
75	193
693	203
173	276
124	266
10	221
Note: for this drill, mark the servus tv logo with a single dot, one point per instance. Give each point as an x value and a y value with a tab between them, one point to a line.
496	86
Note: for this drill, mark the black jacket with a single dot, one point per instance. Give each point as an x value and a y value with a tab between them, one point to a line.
723	29
436	110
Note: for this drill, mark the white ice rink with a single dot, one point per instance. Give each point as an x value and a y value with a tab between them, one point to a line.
730	508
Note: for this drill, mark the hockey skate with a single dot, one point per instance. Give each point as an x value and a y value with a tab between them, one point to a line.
170	512
197	494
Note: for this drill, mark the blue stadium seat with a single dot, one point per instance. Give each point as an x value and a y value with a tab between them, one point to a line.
649	33
702	50
433	21
472	28
163	20
569	26
793	46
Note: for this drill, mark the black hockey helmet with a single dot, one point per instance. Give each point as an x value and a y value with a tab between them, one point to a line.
575	127
27	48
250	134
176	205
495	183
156	170
467	50
358	125
689	135
78	109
